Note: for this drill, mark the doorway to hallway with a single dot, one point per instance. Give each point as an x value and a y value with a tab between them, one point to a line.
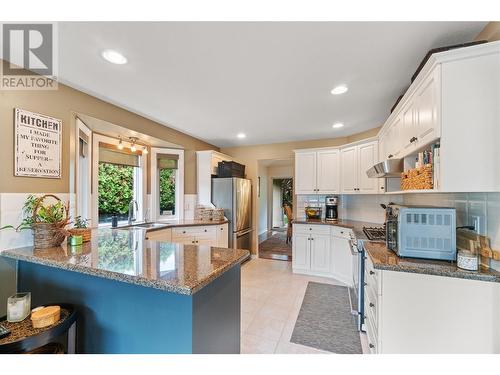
276	242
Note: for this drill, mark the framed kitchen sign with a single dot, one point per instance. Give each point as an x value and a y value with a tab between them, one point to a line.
37	149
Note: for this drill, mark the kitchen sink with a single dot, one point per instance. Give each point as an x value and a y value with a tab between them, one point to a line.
144	225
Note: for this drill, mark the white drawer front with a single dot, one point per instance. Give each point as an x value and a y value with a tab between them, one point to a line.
371	307
342	232
371	332
312	228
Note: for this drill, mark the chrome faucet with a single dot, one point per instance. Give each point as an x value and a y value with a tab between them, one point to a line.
131	216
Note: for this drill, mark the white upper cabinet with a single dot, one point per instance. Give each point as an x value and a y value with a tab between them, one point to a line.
416	122
349	169
317	172
305	172
207	163
327	176
355	161
427	109
367	157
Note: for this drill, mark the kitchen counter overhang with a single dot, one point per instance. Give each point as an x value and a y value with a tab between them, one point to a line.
125	255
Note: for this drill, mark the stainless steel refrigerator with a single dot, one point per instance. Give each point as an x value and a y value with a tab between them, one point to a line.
234	195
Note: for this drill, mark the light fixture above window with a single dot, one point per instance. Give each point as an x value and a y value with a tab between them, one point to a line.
340	89
114	57
133	147
120	144
338	125
145	150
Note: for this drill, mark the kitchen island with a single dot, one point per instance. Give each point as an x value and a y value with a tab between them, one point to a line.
140	296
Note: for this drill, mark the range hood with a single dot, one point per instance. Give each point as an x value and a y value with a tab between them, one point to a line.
387	168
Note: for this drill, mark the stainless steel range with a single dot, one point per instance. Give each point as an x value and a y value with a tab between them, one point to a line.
375	233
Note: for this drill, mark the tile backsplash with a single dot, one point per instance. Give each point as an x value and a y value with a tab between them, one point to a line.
480	209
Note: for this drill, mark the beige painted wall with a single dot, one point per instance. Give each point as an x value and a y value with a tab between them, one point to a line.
491	32
62	104
250	156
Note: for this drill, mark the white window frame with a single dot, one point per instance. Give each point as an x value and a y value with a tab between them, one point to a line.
140	181
83	201
155	185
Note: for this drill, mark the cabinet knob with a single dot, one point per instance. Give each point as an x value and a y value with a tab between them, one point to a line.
371	346
183	231
372	273
205	230
371	304
390	156
382	188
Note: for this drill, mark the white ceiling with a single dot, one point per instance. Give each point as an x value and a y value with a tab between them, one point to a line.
271	81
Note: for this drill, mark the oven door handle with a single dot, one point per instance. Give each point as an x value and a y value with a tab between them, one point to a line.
352	245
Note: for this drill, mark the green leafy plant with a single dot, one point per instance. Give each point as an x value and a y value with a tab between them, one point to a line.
115	188
81	223
167	190
50	213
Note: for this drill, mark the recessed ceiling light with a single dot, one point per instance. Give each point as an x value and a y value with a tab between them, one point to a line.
340	89
241	135
337	125
114	57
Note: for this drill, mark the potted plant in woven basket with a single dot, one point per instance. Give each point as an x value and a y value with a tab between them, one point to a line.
46	220
81	228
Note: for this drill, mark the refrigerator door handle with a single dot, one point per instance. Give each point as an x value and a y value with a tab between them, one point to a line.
242	233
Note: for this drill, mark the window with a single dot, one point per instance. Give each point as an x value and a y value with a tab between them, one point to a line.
118	180
167	173
168	183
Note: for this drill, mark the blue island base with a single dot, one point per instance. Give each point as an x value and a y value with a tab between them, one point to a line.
117	317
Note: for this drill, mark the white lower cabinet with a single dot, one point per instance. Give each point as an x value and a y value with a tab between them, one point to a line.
160	235
322	250
413	313
341	260
320	253
211	235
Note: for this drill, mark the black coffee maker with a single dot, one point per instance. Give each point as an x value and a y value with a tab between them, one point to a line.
331	204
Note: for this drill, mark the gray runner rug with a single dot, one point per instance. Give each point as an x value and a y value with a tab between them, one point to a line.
325	321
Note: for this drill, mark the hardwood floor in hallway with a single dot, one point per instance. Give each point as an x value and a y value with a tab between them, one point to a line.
272	245
271	297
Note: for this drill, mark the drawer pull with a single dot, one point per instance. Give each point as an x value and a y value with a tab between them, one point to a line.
205	230
372	273
371	304
183	231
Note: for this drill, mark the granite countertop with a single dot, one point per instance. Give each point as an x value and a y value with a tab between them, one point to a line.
385	259
126	256
356	226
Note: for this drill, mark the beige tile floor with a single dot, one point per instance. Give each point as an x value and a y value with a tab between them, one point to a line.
271	296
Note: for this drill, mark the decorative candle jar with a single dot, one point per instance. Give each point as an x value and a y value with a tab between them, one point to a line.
18	307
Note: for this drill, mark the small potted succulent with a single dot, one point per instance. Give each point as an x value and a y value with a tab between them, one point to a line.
81	228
